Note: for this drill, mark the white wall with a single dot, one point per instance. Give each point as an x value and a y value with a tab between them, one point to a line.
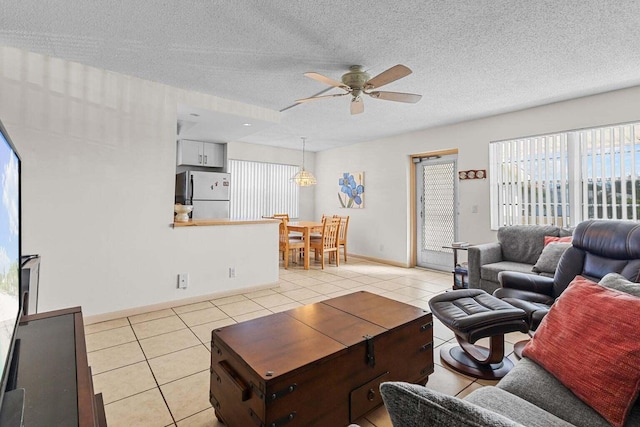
98	151
381	230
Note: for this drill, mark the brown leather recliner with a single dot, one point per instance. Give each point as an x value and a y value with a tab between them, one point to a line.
598	247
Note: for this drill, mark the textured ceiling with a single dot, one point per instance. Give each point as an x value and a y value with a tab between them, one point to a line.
470	58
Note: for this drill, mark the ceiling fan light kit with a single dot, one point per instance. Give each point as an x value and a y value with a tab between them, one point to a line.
304	178
357	82
356	79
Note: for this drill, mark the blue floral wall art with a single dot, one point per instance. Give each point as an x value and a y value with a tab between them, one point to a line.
351	190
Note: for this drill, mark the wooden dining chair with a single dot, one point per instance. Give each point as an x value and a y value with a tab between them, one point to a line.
317	235
342	235
287	243
328	241
292	234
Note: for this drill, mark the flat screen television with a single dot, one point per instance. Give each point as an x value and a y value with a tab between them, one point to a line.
10	250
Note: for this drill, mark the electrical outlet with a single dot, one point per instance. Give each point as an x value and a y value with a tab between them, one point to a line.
183	280
232	272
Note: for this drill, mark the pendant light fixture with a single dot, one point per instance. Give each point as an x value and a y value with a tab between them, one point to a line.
304	178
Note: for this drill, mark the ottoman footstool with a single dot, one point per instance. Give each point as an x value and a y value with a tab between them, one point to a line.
473	314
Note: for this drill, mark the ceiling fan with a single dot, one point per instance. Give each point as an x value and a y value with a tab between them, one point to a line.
357	82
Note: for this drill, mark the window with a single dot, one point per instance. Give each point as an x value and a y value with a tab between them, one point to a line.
562	179
262	189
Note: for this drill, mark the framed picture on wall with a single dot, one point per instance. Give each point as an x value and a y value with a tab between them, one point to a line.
351	190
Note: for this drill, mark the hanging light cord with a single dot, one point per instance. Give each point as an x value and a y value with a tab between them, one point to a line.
304	141
304	178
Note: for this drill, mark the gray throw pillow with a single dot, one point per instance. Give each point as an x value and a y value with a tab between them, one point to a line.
548	260
620	283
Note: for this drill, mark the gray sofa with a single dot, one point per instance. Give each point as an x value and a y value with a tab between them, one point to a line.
527	396
517	249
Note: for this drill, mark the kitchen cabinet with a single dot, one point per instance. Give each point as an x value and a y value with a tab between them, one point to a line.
200	153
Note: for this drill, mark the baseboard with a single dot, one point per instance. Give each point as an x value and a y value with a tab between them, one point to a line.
380	260
88	320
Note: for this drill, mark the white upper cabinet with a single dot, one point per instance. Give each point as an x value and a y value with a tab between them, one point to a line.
199	153
213	155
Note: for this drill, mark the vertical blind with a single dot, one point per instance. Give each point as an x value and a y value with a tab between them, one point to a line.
565	178
530	181
262	189
610	179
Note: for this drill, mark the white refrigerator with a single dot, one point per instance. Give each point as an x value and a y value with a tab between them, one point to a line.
208	192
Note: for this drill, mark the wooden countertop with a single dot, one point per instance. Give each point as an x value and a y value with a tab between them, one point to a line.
222	221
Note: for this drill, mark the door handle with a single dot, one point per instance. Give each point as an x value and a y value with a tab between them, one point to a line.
205	159
190	190
199	158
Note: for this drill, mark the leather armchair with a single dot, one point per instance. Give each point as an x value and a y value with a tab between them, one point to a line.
598	247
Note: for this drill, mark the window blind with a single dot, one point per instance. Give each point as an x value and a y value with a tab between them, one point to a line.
565	178
609	170
530	181
262	189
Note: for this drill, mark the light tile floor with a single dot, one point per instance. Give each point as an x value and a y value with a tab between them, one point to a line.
153	368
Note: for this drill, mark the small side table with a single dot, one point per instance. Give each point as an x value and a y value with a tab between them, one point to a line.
460	272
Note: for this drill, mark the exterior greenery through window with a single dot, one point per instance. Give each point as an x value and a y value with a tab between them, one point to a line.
564	178
262	189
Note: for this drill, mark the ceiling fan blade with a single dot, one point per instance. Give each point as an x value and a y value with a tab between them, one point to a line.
326	80
391	75
314	98
357	106
396	96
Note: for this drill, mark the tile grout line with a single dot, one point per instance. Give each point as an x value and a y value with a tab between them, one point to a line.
164	399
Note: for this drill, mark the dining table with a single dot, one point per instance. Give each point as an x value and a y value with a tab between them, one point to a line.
306	228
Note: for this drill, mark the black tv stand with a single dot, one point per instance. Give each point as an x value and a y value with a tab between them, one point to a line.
54	372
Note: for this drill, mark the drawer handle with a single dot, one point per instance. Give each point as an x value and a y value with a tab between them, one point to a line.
371	395
426	347
235	380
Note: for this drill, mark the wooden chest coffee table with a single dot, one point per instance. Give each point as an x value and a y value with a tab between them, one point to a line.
318	365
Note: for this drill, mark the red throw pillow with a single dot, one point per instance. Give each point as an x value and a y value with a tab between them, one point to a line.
549	239
588	341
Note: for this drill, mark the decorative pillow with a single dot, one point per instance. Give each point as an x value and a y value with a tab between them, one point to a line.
549	239
548	260
587	341
620	283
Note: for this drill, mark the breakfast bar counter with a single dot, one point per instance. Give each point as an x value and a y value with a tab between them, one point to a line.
221	221
220	255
